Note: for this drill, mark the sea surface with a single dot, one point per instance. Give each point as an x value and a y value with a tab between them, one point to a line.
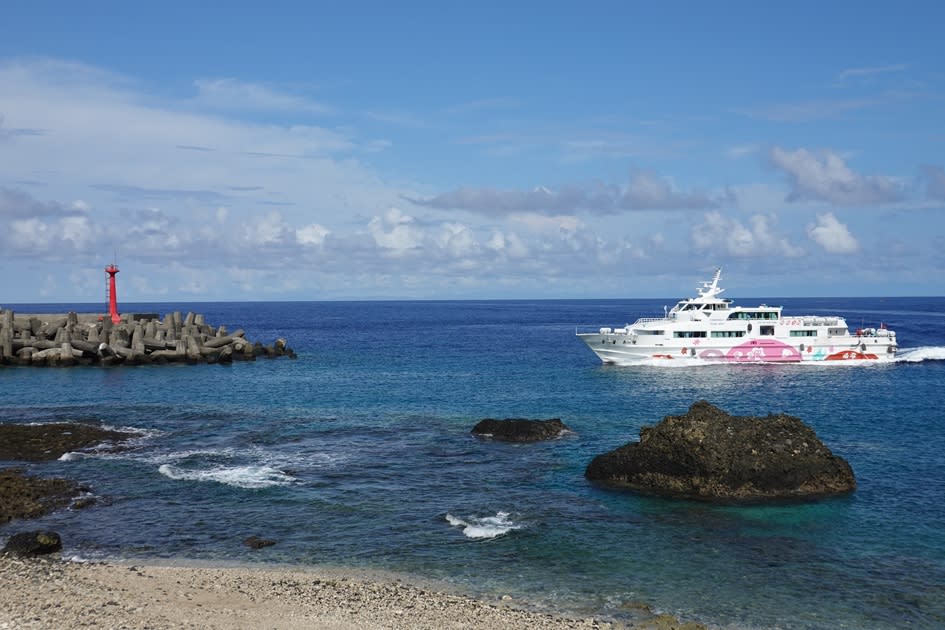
359	454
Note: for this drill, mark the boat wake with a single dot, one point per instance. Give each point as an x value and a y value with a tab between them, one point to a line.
923	353
905	355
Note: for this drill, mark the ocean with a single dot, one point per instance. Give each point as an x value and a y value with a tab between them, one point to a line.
359	454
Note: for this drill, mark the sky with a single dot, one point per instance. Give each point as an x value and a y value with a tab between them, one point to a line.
475	150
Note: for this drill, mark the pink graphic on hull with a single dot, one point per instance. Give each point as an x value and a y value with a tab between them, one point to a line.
767	350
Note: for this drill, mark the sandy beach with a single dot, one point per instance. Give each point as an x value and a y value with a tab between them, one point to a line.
51	593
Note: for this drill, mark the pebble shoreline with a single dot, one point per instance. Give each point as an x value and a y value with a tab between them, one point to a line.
52	593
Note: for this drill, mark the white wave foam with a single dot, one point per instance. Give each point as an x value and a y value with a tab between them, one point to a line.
485	527
238	476
265	457
148	433
924	353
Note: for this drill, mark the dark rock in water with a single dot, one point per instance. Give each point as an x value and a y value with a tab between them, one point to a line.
84	502
43	442
256	542
28	497
36	543
520	429
707	454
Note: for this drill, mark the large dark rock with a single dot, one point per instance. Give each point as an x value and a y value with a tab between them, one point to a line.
520	429
707	454
37	543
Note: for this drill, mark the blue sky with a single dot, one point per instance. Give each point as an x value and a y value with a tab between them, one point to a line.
443	150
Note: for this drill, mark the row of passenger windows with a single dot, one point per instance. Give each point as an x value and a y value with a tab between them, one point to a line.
704	307
754	315
688	334
765	330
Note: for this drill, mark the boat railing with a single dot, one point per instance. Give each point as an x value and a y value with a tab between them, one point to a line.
810	320
647	320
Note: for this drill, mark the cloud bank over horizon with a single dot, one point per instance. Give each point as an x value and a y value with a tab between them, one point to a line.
308	185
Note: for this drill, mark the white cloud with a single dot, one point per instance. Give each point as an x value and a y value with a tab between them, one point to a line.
825	176
396	231
457	240
78	230
834	237
806	111
268	229
78	151
51	238
869	71
236	94
313	234
726	235
548	224
645	191
15	203
29	235
239	197
507	244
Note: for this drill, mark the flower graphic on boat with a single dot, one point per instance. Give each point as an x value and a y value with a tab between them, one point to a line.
767	350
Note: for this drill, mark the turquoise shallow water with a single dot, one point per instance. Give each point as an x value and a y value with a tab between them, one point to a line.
359	453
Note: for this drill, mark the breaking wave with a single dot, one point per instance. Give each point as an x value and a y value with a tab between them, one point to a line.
253	477
486	527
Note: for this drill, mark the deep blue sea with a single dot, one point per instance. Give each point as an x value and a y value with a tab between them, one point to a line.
359	454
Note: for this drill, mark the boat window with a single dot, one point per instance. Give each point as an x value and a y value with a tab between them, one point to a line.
645	331
837	332
728	333
767	330
803	333
687	334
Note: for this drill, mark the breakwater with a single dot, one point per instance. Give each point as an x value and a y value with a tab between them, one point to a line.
138	339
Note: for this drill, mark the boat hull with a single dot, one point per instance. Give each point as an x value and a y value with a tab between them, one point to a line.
624	349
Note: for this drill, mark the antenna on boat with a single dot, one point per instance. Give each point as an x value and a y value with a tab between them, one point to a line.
710	288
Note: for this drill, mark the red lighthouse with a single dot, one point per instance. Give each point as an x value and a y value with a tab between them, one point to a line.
111	270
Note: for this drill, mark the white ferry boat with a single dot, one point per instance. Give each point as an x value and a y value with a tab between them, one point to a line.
712	329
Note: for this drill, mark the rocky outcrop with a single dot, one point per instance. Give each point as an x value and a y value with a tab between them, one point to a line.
43	442
22	496
139	339
707	454
38	543
520	429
